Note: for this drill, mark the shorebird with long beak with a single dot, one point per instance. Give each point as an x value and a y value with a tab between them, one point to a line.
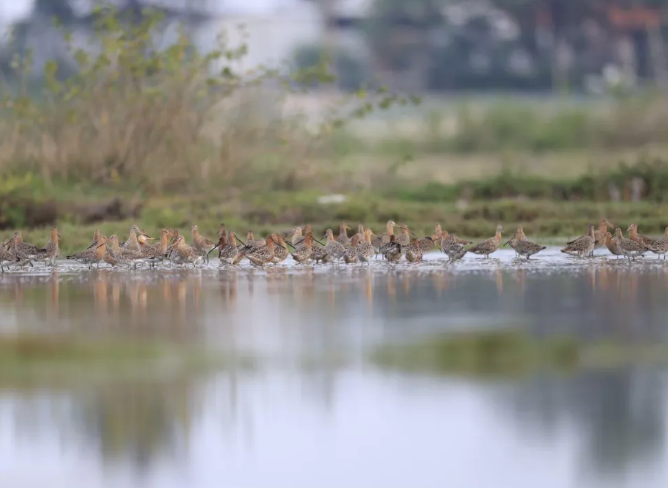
639	238
185	254
350	255
452	246
599	236
343	238
92	255
489	246
660	246
112	255
392	250
155	253
96	238
360	232
252	243
201	244
129	254
304	250
262	255
281	251
524	247
52	248
6	258
629	247
19	257
297	236
514	239
582	246
613	244
333	248
413	252
365	249
404	237
228	250
30	250
426	243
379	241
175	235
132	242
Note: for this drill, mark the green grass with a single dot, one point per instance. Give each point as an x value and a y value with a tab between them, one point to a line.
542	219
513	352
549	207
537	125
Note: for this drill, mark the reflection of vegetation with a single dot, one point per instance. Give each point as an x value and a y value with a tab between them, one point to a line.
138	421
618	415
37	357
511	352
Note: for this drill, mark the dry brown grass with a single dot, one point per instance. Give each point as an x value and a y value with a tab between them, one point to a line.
158	118
158	143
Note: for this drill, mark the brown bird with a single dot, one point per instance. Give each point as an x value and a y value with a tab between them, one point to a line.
122	255
612	245
639	238
281	251
202	244
413	252
17	256
52	248
599	236
452	246
392	250
582	246
660	246
6	258
185	254
132	242
263	254
343	238
30	250
92	255
524	247
365	249
427	243
487	247
404	237
379	241
304	250
96	238
350	255
228	251
334	249
630	248
155	253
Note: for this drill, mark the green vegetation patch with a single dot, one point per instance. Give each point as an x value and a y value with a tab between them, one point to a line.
512	352
29	356
647	179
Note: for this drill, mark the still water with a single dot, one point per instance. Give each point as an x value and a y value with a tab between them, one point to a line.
315	411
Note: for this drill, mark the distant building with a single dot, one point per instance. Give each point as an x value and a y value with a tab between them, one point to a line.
274	29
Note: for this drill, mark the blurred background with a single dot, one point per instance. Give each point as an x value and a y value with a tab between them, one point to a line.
546	113
267	114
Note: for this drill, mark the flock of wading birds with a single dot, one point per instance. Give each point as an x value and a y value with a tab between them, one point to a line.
362	247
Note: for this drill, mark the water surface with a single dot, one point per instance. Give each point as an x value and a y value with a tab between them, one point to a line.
315	411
